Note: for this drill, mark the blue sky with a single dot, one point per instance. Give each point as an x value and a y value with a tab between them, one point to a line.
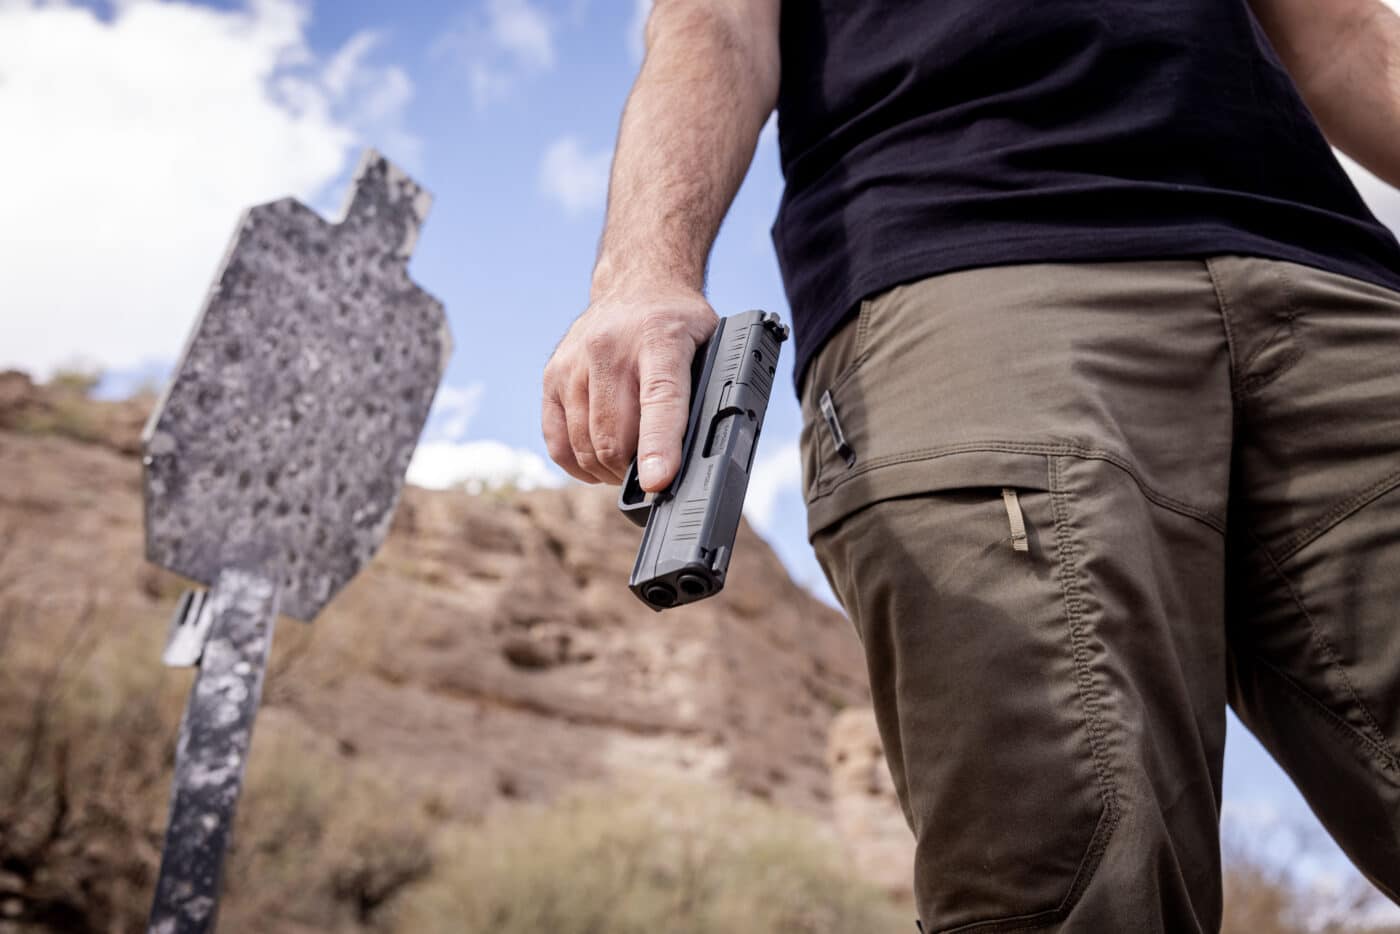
137	130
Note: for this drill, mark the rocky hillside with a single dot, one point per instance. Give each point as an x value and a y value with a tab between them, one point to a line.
490	654
485	732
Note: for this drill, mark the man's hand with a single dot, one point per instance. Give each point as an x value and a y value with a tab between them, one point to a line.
622	372
619	384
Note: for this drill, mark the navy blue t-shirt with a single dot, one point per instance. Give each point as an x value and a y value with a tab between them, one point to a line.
923	136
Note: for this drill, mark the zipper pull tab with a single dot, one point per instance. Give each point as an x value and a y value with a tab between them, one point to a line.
1019	541
843	447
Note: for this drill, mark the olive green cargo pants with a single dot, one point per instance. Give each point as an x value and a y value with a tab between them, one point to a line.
1074	510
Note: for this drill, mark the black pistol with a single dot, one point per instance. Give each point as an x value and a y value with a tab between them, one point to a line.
690	525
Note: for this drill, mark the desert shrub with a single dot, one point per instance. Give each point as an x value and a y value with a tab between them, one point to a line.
77	379
681	858
88	720
65	410
320	841
67	416
87	729
1268	892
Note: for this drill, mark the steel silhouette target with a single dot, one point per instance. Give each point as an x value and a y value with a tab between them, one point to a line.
273	464
284	437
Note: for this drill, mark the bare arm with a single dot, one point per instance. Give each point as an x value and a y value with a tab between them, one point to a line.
619	381
1344	55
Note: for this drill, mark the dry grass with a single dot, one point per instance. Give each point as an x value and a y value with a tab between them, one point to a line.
88	720
1266	894
69	411
681	859
86	726
320	842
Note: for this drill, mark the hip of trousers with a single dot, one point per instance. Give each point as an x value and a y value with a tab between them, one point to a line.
1073	510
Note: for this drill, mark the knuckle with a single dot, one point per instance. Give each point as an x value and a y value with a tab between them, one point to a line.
662	334
600	345
602	441
611	455
557	372
659	388
575	384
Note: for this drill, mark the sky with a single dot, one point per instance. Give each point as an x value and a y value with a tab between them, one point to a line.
136	131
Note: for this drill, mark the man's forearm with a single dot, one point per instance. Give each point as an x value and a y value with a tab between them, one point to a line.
688	133
1345	57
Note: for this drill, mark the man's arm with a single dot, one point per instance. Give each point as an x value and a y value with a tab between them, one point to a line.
1344	55
619	381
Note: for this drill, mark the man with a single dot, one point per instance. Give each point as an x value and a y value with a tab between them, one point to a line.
1115	346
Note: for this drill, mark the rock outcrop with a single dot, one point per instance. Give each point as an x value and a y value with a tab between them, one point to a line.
864	807
490	652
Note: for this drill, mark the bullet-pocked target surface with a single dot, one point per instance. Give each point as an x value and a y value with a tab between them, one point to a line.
284	437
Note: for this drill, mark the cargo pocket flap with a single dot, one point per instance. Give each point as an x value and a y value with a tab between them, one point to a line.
996	465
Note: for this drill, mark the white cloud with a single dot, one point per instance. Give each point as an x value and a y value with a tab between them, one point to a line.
502	43
453	409
637	28
479	465
445	460
574	177
776	472
132	145
522	31
373	98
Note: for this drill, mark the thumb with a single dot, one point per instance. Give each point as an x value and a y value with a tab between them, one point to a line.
664	382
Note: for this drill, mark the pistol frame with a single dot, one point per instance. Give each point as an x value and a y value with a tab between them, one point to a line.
690	526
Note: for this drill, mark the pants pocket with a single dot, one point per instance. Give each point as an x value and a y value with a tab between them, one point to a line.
964	596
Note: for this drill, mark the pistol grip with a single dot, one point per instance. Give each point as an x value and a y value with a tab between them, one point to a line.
632	500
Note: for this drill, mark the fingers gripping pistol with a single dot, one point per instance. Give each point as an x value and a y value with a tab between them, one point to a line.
690	525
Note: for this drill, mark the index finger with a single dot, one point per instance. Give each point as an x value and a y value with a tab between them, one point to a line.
663	371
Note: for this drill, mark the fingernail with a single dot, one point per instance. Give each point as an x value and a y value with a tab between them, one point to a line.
651	470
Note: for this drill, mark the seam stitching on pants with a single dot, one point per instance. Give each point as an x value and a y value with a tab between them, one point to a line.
1284	325
1337	724
863	316
1331	655
1225	313
1028	447
1294	353
1007	925
1336	515
1069	574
